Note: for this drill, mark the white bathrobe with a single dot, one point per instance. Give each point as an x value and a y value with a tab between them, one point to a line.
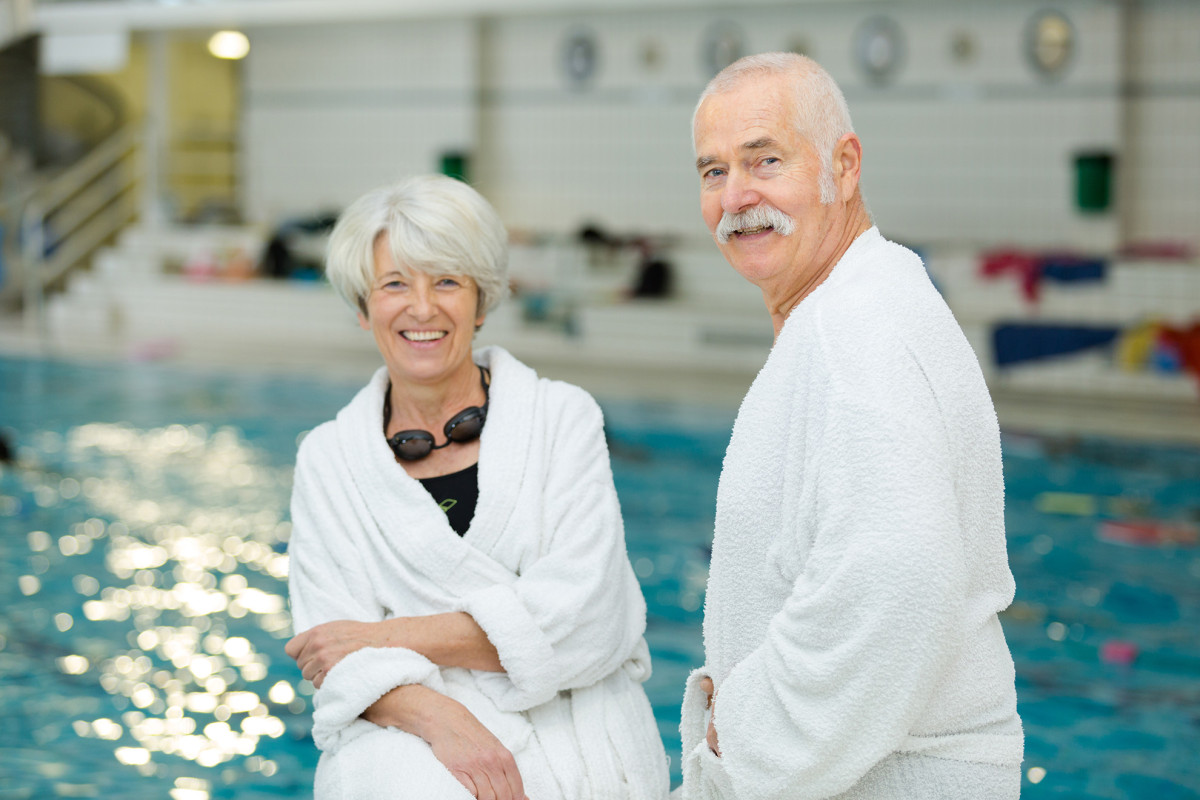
859	561
542	570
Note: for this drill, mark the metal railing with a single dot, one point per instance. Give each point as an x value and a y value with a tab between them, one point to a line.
68	218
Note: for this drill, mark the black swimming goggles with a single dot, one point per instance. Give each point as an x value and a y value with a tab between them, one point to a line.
465	426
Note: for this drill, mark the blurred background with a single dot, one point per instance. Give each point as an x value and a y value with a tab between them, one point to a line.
169	172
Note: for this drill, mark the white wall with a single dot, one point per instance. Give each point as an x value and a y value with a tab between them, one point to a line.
616	151
16	19
1163	175
978	152
981	152
331	111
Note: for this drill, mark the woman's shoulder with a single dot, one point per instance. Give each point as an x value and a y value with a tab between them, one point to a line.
364	407
519	379
567	395
316	443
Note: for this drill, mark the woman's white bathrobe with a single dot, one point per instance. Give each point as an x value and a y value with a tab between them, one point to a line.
859	561
543	570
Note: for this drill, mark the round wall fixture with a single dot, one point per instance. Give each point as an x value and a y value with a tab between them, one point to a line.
963	47
800	45
879	48
723	44
1049	43
650	55
580	57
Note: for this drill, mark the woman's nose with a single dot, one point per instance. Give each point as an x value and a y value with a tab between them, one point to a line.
421	301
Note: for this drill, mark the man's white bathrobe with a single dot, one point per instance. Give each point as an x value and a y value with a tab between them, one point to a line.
543	570
859	560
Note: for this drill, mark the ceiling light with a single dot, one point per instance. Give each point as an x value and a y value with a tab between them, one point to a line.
229	44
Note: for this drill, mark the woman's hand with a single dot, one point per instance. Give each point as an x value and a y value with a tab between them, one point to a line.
476	758
468	750
448	640
710	702
318	649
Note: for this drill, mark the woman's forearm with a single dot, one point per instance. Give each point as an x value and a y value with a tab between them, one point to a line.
469	751
448	640
412	708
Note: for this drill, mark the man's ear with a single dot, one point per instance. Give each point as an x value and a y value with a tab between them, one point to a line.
847	164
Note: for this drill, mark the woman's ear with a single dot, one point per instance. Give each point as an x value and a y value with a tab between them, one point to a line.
480	313
363	321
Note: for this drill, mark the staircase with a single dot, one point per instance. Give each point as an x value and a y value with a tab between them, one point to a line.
68	187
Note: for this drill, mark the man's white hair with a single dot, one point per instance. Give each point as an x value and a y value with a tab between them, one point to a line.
821	114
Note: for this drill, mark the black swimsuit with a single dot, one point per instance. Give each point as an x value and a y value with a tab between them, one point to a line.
456	494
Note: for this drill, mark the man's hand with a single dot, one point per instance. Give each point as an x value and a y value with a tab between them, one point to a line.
318	649
467	749
710	702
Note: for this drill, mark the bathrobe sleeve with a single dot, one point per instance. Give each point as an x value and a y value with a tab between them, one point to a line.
576	614
853	656
327	581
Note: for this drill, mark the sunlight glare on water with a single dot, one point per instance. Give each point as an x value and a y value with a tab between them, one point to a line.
180	572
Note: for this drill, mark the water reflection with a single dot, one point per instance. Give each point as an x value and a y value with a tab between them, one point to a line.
179	574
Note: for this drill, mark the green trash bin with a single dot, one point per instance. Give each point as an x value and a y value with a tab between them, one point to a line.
456	164
1093	181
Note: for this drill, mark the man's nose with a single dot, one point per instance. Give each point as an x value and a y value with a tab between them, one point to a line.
738	194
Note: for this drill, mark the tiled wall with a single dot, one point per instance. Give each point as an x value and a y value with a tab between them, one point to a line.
333	110
976	151
1163	183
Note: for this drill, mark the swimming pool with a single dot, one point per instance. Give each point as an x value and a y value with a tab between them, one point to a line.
141	575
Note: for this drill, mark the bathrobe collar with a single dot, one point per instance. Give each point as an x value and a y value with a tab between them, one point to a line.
415	527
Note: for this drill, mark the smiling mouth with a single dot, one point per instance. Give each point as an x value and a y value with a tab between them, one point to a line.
423	336
752	231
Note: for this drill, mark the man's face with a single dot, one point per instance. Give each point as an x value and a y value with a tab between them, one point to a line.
749	155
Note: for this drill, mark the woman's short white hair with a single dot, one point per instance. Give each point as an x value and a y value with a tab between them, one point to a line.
822	116
434	224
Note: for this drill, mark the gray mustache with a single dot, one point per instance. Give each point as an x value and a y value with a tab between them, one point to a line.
759	216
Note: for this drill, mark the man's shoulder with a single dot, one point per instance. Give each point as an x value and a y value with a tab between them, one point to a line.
883	288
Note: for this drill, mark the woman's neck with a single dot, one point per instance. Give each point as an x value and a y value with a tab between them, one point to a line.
429	406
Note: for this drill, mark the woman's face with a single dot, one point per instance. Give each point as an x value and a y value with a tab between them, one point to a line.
423	324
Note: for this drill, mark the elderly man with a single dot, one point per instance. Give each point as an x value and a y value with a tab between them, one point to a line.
851	636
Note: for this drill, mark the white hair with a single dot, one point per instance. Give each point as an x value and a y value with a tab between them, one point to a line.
434	224
821	114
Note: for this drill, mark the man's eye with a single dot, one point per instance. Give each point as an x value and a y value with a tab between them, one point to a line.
715	172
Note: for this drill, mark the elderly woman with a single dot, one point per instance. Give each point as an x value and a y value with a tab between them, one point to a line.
458	571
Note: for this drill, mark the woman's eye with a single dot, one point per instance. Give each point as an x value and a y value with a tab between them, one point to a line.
394	286
449	283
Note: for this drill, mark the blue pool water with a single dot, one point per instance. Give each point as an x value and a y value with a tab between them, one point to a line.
144	609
